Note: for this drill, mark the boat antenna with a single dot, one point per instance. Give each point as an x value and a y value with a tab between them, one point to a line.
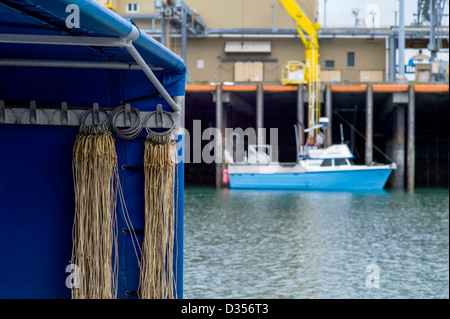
342	134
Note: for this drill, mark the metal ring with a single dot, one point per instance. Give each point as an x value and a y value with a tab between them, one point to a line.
128	133
150	131
85	114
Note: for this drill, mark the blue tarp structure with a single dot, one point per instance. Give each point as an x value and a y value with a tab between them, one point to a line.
36	182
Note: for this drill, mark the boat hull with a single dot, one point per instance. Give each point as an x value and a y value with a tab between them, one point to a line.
370	178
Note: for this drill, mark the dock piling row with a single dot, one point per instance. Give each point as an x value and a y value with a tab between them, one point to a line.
401	132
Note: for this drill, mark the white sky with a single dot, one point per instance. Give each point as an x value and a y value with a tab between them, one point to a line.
339	12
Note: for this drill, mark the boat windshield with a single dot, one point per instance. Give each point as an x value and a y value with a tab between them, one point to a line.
326	162
336	162
341	162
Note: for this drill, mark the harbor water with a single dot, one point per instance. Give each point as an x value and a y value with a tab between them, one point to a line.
311	245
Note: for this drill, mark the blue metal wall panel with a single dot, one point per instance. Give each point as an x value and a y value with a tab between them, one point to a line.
36	183
36	210
79	87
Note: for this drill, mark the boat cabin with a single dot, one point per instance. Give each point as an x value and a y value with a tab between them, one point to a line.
335	155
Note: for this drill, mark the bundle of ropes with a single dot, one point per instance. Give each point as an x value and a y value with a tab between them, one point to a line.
95	223
97	189
156	276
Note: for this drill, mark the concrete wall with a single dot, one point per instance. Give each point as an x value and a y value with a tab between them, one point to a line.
211	52
233	13
369	56
249	13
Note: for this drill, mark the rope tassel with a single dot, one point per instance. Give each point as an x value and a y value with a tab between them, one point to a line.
156	276
94	233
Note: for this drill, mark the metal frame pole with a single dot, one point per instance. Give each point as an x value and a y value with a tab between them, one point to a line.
401	40
260	114
183	32
369	124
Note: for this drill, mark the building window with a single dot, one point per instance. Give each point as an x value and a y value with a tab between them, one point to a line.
350	58
329	64
132	7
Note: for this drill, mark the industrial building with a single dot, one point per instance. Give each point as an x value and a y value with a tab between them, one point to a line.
387	104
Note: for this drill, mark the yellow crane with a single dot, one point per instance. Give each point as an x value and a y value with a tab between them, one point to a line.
308	34
108	4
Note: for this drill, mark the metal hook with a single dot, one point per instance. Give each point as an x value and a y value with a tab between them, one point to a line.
159	121
2	112
131	130
95	114
95	117
33	112
159	116
64	113
127	114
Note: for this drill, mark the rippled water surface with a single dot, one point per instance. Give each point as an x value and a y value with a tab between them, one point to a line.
295	244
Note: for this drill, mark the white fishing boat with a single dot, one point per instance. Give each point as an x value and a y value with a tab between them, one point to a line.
329	168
